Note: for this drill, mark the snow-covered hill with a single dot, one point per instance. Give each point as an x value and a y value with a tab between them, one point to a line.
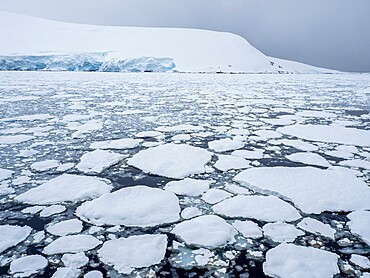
31	43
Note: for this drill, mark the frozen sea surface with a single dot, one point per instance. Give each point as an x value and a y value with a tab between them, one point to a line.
184	175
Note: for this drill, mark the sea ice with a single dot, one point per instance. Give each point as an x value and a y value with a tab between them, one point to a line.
75	260
27	265
46	165
93	274
228	162
316	227
264	208
309	159
281	232
172	160
207	231
11	235
5	174
289	260
119	144
356	163
361	261
188	187
71	244
300	145
15	139
98	160
224	145
140	206
71	188
190	212
359	224
215	195
311	189
66	272
66	227
328	133
248	229
54	209
255	154
140	251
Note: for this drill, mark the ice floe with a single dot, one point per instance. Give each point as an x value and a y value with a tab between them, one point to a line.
281	232
215	195
359	224
316	227
66	272
300	145
356	163
309	159
361	261
224	145
118	144
66	227
27	265
71	244
65	188
207	230
255	154
5	174
331	134
76	260
172	160
15	139
140	206
228	162
288	261
46	165
11	235
248	229
309	188
125	254
98	160
264	208
52	210
188	187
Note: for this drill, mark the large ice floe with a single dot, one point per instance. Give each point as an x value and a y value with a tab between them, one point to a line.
172	160
139	206
309	188
125	254
289	260
67	187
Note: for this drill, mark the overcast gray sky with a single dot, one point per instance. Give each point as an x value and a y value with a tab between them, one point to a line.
327	33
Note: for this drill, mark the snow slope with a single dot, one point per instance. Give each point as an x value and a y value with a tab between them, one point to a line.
39	44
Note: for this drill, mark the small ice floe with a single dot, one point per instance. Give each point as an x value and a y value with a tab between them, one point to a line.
316	114
359	224
98	160
118	144
125	254
66	272
190	212
15	139
299	145
63	228
361	261
65	166
5	174
28	153
172	160
206	231
188	187
264	208
289	260
330	134
236	189
356	163
309	188
27	265
183	127
148	134
77	260
228	162
181	137
52	210
309	159
21	180
71	244
267	134
238	131
139	206
42	166
316	227
255	154
340	154
281	232
281	121
215	195
226	144
93	274
248	229
65	188
11	235
84	128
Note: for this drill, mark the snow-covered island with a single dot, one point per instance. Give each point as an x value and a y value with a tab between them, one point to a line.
40	44
108	174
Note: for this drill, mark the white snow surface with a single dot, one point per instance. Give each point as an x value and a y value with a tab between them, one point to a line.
207	231
172	160
27	265
65	188
309	188
98	160
125	254
188	187
139	206
71	244
11	235
123	48
329	133
265	208
359	224
289	260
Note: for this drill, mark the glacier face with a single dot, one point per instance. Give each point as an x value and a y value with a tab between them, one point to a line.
85	62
